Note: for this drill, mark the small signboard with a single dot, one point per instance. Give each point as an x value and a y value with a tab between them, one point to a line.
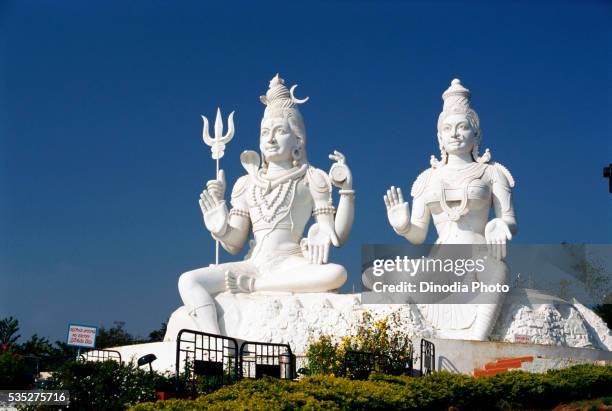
522	339
82	335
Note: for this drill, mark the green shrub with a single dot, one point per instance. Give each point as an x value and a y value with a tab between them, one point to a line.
326	356
512	390
14	372
381	337
106	385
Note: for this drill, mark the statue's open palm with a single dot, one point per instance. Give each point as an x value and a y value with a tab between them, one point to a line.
497	234
398	211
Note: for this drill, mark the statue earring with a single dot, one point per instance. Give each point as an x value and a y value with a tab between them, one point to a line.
296	156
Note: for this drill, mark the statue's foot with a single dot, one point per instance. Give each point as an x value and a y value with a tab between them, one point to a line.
238	283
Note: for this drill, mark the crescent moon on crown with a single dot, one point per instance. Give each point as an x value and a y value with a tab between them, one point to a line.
297	100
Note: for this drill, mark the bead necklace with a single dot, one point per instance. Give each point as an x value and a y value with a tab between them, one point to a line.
269	210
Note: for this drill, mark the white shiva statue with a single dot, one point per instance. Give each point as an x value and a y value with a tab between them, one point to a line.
457	192
274	200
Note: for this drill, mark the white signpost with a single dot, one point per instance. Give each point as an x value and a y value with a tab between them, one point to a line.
81	336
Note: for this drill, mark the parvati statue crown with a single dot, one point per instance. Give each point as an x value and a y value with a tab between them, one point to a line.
456	98
457	101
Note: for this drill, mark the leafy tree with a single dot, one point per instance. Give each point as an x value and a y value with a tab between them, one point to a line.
45	356
38	346
158	335
115	336
14	373
8	330
64	350
590	271
564	289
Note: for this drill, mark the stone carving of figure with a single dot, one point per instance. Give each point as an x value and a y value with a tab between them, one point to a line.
457	192
274	200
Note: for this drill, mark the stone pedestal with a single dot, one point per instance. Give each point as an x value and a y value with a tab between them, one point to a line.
555	334
297	319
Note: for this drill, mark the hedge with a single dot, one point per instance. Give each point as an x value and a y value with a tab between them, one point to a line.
439	391
14	373
107	385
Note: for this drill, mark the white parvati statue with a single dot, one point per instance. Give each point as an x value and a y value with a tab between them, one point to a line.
274	200
458	192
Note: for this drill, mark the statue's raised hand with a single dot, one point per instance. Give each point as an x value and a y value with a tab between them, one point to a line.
398	211
339	172
497	233
213	206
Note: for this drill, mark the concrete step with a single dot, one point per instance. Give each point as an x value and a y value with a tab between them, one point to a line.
488	373
501	365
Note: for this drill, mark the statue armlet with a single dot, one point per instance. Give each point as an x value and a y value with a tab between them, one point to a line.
240	186
319	184
238	198
419	185
502	176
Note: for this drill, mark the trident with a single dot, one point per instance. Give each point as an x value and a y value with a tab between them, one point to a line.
217	148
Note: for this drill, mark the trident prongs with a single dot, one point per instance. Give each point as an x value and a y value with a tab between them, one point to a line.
217	144
217	147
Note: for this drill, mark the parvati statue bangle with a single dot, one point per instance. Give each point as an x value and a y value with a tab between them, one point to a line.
348	192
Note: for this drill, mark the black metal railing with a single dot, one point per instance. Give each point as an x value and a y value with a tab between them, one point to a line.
96	355
428	357
409	361
259	359
207	361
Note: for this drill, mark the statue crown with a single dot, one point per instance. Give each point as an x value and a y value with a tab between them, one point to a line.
279	97
456	98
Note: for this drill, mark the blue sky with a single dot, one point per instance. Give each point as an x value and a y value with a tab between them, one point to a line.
101	157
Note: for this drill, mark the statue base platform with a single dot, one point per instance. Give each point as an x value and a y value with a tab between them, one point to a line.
541	336
297	319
